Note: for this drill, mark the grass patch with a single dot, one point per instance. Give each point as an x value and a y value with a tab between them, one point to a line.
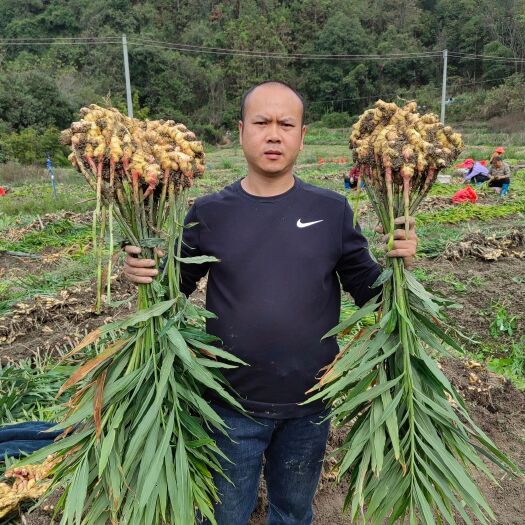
29	387
511	364
54	235
469	212
14	174
321	135
68	273
445	190
434	239
38	199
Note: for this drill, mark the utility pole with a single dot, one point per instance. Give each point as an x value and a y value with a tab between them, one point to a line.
444	86
126	75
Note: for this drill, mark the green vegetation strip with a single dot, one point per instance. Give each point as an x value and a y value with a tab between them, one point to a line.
66	274
54	235
468	212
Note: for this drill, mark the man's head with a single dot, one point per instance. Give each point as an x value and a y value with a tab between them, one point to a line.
271	129
278	82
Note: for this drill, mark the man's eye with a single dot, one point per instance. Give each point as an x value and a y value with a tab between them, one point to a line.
260	122
286	125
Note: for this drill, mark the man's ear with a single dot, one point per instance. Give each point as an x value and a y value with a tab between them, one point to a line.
303	133
241	125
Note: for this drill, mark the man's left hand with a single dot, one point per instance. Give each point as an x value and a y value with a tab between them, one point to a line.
402	247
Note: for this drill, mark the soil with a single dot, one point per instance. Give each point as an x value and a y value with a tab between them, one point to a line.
52	323
501	282
12	266
494	403
499	410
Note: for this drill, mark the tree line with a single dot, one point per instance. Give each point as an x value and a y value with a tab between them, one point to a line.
42	85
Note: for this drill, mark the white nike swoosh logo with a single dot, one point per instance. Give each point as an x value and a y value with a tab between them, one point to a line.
306	224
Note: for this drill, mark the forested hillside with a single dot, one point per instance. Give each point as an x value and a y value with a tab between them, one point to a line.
43	83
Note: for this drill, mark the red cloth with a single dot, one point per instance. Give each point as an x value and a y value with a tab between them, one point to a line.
2	191
465	195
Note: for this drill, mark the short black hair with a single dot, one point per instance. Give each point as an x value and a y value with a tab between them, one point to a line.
282	83
497	159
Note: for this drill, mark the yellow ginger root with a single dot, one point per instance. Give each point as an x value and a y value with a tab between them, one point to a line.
397	146
28	482
115	147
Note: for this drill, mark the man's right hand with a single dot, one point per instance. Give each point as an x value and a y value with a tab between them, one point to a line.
138	271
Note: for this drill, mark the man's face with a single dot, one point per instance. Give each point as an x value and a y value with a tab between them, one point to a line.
498	164
272	134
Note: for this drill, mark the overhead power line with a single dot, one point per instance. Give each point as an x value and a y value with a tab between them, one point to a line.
475	82
213	50
54	42
59	38
281	55
470	56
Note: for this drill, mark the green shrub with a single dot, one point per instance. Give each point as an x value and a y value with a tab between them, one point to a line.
209	133
31	146
506	98
337	120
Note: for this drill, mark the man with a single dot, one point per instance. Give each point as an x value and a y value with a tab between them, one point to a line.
284	247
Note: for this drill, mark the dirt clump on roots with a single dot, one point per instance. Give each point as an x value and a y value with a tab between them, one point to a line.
42	515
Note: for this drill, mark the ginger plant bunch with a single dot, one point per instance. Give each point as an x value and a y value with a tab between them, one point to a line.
132	165
137	446
411	441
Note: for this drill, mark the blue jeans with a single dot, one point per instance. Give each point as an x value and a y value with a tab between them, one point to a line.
293	450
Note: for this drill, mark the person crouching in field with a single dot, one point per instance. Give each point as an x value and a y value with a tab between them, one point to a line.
499	175
476	172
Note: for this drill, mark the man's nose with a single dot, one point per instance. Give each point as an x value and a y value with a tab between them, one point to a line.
273	133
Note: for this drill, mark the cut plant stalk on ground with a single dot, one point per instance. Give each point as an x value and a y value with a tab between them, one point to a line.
136	446
411	440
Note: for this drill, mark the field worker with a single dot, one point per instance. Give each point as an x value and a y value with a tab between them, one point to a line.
499	176
352	178
498	152
284	248
476	172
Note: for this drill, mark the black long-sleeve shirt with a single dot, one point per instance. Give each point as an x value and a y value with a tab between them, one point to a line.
276	290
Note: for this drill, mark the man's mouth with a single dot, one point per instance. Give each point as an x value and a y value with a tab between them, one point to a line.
272	154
